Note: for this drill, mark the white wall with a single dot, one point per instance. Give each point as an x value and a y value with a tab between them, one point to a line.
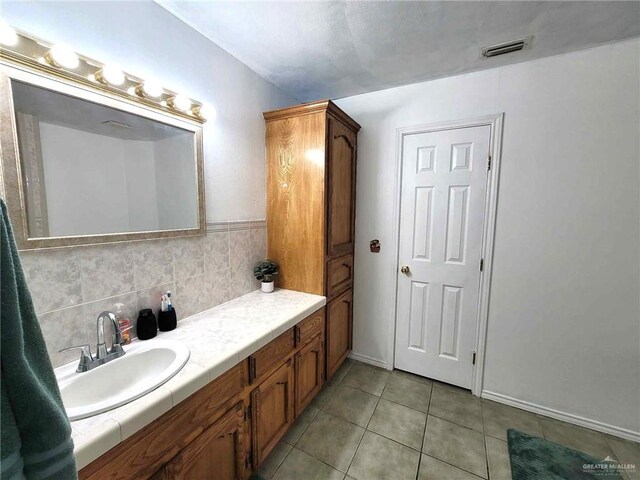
148	41
564	319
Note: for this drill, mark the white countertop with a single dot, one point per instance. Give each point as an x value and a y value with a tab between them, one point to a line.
218	338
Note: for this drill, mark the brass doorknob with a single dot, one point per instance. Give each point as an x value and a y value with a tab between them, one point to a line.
404	269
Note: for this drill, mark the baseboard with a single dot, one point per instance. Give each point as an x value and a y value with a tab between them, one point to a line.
564	416
366	359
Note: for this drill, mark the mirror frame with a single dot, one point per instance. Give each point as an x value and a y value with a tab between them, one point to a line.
12	187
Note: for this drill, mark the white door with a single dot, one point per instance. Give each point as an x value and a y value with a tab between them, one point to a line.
444	180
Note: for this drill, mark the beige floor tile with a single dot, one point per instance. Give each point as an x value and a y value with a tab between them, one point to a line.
299	465
498	456
274	460
498	418
399	423
411	376
434	469
331	440
451	388
379	458
456	445
464	410
407	392
582	439
300	425
626	452
366	378
342	371
322	397
351	404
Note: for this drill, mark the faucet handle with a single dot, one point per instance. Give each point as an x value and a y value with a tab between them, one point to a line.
86	350
85	356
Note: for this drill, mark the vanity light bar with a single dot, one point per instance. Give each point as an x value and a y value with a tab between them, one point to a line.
60	61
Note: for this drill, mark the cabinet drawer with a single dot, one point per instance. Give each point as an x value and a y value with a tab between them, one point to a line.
339	274
270	355
310	327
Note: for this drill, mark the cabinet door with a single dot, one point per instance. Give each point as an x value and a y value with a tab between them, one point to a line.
342	189
217	454
339	331
272	411
309	370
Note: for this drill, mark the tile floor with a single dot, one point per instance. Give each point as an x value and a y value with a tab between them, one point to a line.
371	424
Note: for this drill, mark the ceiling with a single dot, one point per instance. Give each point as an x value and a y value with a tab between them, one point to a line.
72	112
333	49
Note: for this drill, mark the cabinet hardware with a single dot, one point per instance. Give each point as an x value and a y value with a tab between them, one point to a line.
252	369
473	360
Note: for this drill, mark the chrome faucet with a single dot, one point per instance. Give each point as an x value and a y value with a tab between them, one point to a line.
87	361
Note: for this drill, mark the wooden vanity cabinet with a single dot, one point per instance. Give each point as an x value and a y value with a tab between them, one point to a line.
226	429
309	366
220	449
339	331
311	190
272	411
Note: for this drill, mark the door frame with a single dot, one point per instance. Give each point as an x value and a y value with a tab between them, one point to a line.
488	232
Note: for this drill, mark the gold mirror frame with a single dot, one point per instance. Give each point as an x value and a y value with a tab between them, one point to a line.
11	178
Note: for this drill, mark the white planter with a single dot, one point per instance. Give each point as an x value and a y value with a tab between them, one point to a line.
267	287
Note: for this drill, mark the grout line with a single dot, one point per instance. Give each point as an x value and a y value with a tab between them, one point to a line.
424	432
281	462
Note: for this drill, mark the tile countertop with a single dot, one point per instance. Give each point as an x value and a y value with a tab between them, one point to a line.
218	338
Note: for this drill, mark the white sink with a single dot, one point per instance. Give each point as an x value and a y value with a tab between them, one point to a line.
145	366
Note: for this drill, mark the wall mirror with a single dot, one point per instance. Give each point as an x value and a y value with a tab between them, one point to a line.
80	167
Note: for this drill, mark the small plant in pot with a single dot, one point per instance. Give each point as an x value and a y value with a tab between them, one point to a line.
265	271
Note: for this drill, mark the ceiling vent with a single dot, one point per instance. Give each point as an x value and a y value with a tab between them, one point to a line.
507	47
113	123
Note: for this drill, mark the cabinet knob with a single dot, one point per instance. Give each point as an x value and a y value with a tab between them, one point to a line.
405	269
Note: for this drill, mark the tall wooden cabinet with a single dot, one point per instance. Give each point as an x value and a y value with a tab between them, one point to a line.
311	172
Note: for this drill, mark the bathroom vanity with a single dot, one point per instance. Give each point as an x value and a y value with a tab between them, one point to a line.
265	356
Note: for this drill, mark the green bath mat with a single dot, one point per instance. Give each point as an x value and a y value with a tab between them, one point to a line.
534	458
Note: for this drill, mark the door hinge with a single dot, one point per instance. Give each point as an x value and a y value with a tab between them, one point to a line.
481	264
473	360
489	162
247	413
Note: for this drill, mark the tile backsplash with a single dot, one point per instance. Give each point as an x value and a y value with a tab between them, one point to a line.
71	286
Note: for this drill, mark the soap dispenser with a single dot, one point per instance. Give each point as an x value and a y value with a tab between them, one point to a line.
147	326
123	322
167	319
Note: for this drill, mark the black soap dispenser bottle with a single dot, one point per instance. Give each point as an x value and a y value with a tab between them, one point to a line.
167	318
147	325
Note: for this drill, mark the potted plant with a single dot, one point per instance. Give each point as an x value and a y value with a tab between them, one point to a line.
265	271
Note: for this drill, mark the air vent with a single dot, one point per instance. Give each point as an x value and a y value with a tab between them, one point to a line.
113	123
507	47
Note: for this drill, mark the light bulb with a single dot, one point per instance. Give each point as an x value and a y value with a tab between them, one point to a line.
150	88
110	74
180	102
61	55
205	112
8	35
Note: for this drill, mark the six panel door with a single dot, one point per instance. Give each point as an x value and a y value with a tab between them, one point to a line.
219	452
444	180
339	331
309	370
272	405
342	183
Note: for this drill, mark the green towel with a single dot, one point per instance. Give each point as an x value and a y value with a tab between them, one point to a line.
35	430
